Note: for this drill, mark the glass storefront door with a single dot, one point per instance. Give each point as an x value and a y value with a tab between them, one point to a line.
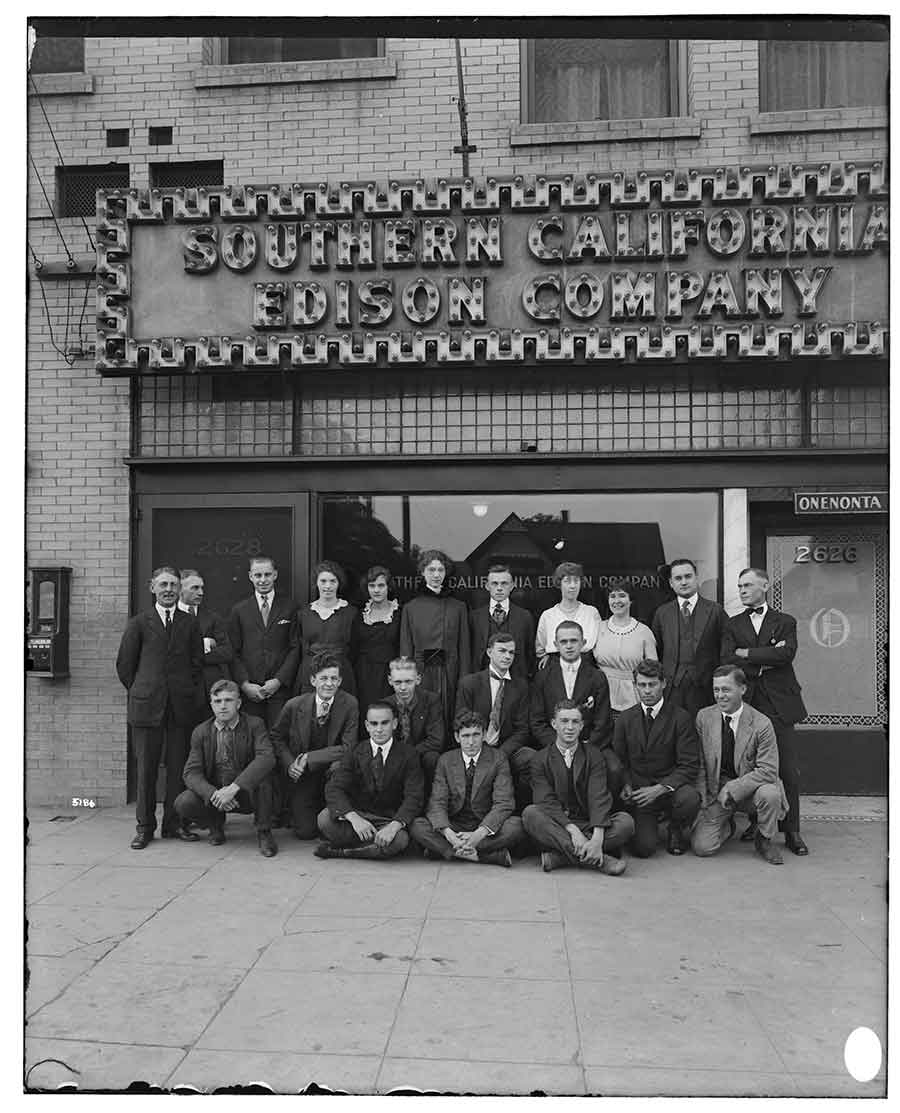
633	535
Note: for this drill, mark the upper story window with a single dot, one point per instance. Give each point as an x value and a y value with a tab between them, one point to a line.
599	79
801	75
275	48
76	186
56	54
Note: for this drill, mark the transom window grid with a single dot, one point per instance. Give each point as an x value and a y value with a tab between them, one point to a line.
397	415
76	186
567	80
170	175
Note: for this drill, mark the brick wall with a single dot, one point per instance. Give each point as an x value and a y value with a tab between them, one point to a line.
403	125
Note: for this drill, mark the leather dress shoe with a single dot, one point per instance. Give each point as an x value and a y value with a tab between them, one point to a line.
267	845
141	839
553	860
767	850
793	840
183	832
326	850
611	866
216	836
496	858
675	842
749	834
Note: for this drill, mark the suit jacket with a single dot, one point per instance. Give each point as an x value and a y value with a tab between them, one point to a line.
709	618
492	790
352	788
262	652
474	694
591	693
216	662
548	784
769	670
160	669
292	733
755	755
253	758
669	756
426	722
519	623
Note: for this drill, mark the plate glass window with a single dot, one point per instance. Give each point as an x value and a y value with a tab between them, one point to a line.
600	79
276	48
800	75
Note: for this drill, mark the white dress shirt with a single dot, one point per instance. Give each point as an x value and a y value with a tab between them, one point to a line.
568	753
163	611
570	675
757	619
691	602
385	749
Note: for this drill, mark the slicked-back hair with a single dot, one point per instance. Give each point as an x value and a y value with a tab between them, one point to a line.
468	718
760	572
571	624
186	573
500	636
731	670
165	568
261	559
499	567
566	705
681	560
380	705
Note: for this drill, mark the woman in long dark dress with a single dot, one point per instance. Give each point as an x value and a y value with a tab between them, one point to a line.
434	631
329	622
377	639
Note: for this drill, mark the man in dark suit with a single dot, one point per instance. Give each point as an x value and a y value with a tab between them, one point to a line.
469	815
571	820
657	745
738	770
500	615
688	632
502	701
228	770
763	643
313	731
420	717
373	795
160	662
217	651
264	640
571	674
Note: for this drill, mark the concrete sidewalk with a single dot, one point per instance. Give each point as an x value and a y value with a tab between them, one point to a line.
198	966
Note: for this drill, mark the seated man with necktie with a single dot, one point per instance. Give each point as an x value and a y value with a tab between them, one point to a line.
312	733
571	820
373	795
420	718
657	746
502	701
738	769
228	770
469	814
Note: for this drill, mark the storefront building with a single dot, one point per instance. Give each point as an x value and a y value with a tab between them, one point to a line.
652	323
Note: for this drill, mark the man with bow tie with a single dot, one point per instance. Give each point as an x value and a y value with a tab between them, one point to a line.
738	769
657	746
373	795
469	814
501	615
160	662
313	731
763	642
502	701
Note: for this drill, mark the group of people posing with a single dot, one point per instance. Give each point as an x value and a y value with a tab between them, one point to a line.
473	733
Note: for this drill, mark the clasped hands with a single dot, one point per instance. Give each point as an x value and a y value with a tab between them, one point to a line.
642	797
367	832
465	843
225	799
260	692
588	850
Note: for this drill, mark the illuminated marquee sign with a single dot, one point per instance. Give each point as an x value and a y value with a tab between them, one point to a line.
593	268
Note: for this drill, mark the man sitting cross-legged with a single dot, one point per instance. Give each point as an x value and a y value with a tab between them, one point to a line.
228	770
469	815
570	820
373	795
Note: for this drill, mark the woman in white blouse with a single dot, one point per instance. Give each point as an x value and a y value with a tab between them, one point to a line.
567	577
622	642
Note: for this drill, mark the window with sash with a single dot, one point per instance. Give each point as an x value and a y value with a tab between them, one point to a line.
797	75
275	48
57	54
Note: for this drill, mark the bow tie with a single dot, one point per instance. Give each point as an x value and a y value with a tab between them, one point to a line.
497	676
755	610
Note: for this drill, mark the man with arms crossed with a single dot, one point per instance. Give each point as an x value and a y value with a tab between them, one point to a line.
738	769
228	770
469	815
763	643
313	731
570	820
217	651
373	795
657	746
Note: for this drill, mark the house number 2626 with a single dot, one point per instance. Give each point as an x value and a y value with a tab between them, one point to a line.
825	554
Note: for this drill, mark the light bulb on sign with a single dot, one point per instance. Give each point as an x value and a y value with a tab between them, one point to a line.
479	509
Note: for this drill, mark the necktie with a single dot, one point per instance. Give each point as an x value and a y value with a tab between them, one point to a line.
686	610
648	721
404	721
498	614
470	777
378	769
168	621
194	610
727	743
497	705
322	718
264	610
